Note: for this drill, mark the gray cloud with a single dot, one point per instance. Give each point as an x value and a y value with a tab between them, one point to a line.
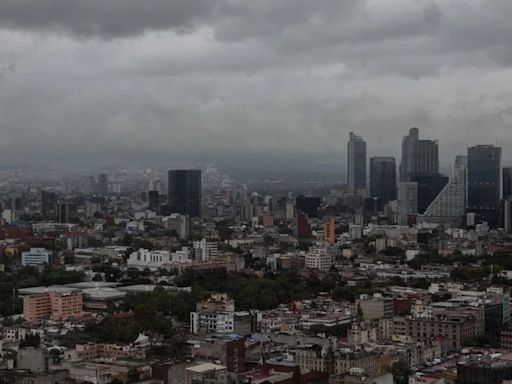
250	80
102	18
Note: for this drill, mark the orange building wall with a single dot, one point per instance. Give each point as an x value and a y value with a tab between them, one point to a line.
330	231
53	305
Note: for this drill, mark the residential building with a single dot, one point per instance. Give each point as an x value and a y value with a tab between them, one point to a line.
178	223
483	369
205	249
217	315
302	227
206	373
375	307
458	327
318	258
52	305
330	231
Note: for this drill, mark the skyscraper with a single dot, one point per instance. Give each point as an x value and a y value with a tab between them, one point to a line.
420	164
153	201
383	178
356	162
102	184
461	161
48	204
507	182
419	157
428	188
408	196
450	205
484	182
308	204
184	195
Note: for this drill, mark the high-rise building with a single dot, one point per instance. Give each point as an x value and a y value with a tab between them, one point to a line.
372	206
484	182
308	204
383	178
450	204
154	201
330	230
48	204
67	212
461	161
356	163
102	185
302	227
91	185
507	182
507	214
419	157
205	249
408	196
428	188
184	195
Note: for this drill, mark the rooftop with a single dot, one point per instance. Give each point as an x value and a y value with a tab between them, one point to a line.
206	367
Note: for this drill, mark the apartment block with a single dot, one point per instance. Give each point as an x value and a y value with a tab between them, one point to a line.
55	306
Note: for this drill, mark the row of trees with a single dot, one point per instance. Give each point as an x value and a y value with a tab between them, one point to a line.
10	282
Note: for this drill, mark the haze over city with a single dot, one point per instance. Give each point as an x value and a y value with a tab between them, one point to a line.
150	82
255	192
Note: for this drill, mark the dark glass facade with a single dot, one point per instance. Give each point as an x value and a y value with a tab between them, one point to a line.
154	201
308	205
484	187
428	189
383	178
356	163
185	192
102	184
507	182
419	157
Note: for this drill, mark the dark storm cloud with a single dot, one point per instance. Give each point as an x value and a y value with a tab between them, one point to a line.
103	18
247	79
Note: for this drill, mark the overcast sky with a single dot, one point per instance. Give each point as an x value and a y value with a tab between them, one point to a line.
236	81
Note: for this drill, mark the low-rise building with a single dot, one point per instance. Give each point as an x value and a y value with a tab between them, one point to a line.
152	260
375	307
36	257
52	305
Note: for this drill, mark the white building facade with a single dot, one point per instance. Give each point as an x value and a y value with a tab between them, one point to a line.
144	258
36	257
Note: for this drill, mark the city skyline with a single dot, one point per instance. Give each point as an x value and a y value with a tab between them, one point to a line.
214	81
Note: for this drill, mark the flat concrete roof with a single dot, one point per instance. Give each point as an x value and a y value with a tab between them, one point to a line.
206	367
92	284
102	294
42	289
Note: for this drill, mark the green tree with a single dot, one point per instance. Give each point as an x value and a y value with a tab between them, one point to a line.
400	370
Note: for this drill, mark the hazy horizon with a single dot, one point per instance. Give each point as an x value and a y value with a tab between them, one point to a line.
251	85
